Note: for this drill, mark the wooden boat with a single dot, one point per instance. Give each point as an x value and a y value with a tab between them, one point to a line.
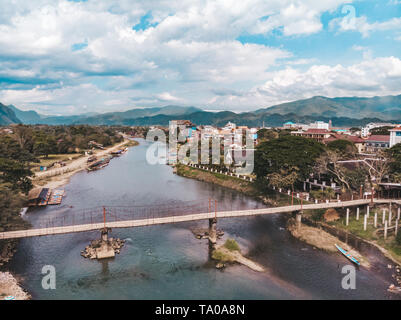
98	164
347	255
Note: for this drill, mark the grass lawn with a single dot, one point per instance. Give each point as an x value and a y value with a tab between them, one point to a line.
356	227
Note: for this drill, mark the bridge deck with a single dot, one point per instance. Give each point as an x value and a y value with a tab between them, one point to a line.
183	218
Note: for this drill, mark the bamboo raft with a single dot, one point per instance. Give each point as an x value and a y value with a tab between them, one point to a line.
56	197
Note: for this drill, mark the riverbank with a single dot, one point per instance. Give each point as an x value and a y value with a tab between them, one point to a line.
245	187
311	235
321	239
58	177
10	288
49	179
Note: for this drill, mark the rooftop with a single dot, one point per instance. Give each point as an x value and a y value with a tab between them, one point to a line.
376	137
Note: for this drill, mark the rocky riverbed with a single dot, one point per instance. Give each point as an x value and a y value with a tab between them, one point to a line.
97	247
203	233
10	289
7	251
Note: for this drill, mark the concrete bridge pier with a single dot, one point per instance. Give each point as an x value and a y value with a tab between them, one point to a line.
105	234
212	232
105	250
298	218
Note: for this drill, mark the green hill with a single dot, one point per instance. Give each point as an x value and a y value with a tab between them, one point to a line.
385	108
7	116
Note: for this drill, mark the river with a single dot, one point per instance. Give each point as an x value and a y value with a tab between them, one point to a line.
167	261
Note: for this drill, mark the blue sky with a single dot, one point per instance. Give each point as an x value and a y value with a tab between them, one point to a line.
70	57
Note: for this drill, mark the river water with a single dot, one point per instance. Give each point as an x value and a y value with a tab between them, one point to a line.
167	261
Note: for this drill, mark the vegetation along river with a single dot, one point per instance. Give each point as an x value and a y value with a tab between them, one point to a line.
167	261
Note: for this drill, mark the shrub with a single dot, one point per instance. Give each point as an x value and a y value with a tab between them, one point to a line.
398	238
219	255
231	245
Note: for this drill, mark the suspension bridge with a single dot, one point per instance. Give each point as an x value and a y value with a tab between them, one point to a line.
103	218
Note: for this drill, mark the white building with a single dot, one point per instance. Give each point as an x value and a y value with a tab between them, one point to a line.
366	130
395	136
230	126
320	125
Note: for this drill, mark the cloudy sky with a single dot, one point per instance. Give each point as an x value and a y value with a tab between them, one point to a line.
69	57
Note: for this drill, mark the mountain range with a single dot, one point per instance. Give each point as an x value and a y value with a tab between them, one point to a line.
346	111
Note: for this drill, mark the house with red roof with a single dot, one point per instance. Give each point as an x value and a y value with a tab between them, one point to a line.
359	143
375	143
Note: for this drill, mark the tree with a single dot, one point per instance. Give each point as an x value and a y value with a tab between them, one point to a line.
284	178
10	149
44	145
327	193
23	135
14	164
379	167
343	147
16	174
384	131
394	155
287	153
351	179
267	134
327	163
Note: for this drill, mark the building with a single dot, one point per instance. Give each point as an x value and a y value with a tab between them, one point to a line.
320	125
395	136
366	130
230	126
316	134
358	142
290	125
375	143
185	127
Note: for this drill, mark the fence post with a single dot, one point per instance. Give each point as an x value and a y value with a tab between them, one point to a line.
385	229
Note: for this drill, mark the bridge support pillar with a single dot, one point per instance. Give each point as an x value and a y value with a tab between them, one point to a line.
298	219
212	232
105	235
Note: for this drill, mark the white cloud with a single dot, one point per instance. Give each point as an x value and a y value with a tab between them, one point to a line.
187	56
380	76
361	25
166	96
